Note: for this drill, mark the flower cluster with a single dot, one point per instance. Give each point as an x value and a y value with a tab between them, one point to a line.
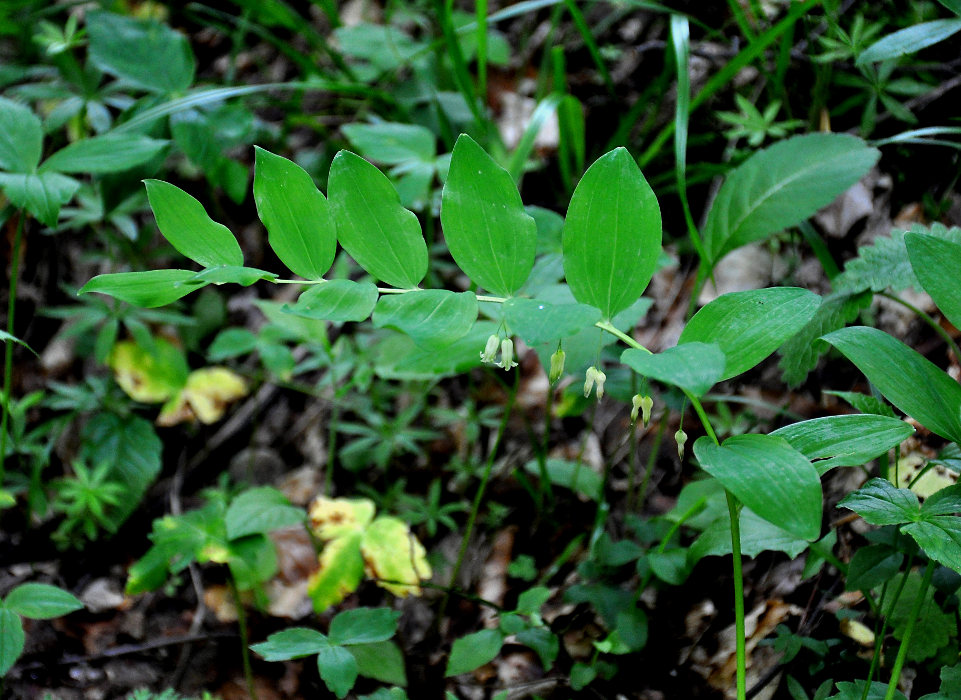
507	352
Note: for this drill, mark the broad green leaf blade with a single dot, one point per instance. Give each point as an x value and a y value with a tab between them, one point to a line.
336	300
384	238
261	509
879	502
338	668
576	476
145	53
21	138
432	317
291	643
398	357
233	274
11	639
768	476
905	378
184	223
392	143
300	228
41	601
695	367
940	538
844	441
41	195
341	570
781	186
944	502
382	661
395	556
100	155
871	566
539	321
363	625
936	262
612	234
909	40
473	651
757	535
749	326
148	289
489	235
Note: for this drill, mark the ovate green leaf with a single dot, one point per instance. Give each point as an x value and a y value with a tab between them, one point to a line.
291	643
844	441
382	661
41	601
261	509
391	143
336	300
41	195
693	366
539	321
432	317
111	153
338	668
363	625
473	651
21	137
11	639
148	289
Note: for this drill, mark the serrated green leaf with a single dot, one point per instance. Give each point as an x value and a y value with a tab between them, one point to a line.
909	40
872	566
382	661
855	691
99	155
882	265
935	262
383	237
768	476
338	669
748	326
844	441
341	570
41	601
799	355
933	627
291	643
300	228
42	195
537	321
864	403
363	625
781	186
147	289
431	317
336	300
473	651
21	137
186	226
489	235
879	502
905	378
391	143
11	639
693	366
612	234
262	509
940	538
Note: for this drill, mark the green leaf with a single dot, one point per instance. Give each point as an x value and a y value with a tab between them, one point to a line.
855	691
338	668
11	639
100	155
489	235
233	274
909	40
382	661
336	300
538	321
473	651
384	238
145	53
781	186
392	143
864	403
21	137
905	378
432	317
252	560
147	289
398	357
939	535
768	476
872	566
749	326
933	627
363	625
184	223
395	556
881	503
844	441
935	262
262	509
41	195
291	643
571	475
800	354
757	535
882	265
231	342
41	601
693	366
612	234
300	228
8	338
340	572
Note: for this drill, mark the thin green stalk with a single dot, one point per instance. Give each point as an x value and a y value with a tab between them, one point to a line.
733	507
479	496
906	639
879	637
578	18
242	624
8	346
934	325
480	10
651	459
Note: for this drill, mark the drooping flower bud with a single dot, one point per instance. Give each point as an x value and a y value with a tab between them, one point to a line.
681	438
646	404
507	354
635	407
557	365
594	375
601	378
490	350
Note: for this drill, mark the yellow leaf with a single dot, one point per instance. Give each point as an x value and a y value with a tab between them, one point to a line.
149	377
930	482
857	631
395	556
340	572
205	397
333	517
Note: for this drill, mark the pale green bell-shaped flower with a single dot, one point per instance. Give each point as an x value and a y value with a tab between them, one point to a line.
507	354
641	404
681	438
557	365
490	350
594	376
